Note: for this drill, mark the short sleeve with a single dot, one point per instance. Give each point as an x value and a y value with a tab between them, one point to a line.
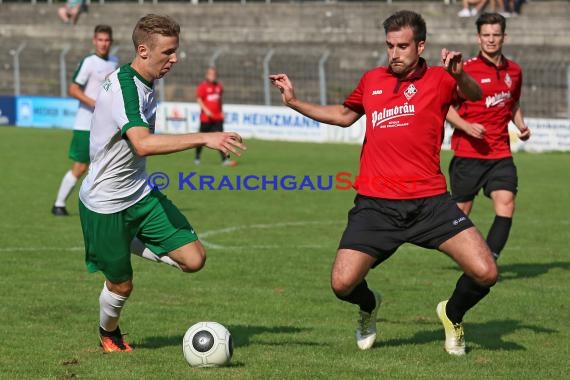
130	104
354	100
82	73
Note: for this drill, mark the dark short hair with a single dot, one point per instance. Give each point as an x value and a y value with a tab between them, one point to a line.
491	19
102	28
153	24
407	19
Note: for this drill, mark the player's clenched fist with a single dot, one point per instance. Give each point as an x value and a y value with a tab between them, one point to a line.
452	61
282	82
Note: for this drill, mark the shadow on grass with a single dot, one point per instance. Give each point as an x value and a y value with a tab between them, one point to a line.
488	335
241	336
516	271
519	271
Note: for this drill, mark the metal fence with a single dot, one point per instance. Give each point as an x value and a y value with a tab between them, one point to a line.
320	75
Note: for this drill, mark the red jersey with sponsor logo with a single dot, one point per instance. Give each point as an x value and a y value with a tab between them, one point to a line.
211	95
501	87
404	131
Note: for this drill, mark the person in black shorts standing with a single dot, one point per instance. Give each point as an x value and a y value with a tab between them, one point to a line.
481	142
209	97
401	192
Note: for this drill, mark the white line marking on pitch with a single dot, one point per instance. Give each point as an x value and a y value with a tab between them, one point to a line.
227	230
207	234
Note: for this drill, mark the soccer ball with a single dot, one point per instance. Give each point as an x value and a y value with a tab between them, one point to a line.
207	344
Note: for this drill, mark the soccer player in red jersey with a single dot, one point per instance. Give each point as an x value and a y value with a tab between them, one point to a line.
482	154
209	97
401	192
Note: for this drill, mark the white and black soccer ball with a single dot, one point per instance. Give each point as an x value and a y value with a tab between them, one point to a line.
207	344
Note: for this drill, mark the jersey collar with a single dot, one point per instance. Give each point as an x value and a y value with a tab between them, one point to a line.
136	73
418	73
503	65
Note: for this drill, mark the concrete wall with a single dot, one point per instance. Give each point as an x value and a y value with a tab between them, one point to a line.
299	33
542	22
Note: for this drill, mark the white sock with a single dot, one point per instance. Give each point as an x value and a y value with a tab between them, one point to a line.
110	306
138	248
67	184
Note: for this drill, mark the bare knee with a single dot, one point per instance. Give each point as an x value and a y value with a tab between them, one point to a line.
191	257
486	274
340	286
349	269
121	288
193	265
503	203
78	169
506	210
343	284
469	249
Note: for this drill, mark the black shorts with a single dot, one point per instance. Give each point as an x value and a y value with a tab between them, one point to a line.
469	175
212	126
379	226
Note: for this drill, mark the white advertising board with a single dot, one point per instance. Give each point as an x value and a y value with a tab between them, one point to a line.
282	123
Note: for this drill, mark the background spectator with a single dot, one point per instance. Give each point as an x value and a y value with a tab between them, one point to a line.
513	7
209	97
472	8
71	11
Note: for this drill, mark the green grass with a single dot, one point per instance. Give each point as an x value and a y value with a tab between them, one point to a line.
267	279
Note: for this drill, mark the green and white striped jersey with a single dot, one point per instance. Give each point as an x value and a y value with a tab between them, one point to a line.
117	176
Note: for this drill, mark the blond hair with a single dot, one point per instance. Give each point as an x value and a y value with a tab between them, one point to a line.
150	25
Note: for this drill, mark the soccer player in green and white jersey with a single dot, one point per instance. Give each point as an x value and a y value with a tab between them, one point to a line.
119	212
85	86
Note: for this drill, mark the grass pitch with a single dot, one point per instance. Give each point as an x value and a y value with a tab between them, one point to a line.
267	278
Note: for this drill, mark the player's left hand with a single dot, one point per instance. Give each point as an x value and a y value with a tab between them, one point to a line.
452	62
285	86
225	142
476	130
524	134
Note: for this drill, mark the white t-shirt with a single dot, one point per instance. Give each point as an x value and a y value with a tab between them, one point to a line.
117	176
90	73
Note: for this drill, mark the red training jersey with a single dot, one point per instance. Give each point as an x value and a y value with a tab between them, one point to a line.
404	131
501	87
211	95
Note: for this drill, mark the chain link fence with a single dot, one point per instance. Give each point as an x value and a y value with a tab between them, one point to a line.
320	74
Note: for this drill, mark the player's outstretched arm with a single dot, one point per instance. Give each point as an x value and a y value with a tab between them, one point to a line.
472	129
148	144
330	114
453	63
